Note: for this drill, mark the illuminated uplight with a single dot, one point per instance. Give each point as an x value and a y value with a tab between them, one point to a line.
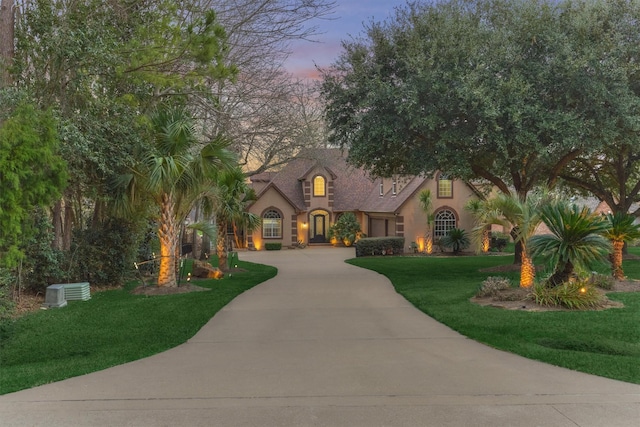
429	248
486	242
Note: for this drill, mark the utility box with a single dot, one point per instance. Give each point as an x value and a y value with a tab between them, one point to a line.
54	298
76	291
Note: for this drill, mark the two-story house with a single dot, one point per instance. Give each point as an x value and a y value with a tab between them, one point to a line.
300	202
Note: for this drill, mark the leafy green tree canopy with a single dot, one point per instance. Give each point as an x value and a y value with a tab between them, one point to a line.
507	90
32	173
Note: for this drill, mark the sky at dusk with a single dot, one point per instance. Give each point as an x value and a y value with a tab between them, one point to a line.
347	20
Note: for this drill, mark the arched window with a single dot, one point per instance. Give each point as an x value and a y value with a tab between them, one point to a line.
445	186
444	221
271	225
319	187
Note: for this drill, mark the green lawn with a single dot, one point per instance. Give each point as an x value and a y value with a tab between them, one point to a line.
112	328
605	343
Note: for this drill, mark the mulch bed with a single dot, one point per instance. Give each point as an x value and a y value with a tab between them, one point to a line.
517	298
184	288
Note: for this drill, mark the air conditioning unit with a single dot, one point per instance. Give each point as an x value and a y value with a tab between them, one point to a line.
54	298
77	291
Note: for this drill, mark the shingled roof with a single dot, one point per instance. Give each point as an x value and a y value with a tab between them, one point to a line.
352	186
390	204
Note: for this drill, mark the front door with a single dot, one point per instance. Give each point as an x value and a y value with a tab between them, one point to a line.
318	229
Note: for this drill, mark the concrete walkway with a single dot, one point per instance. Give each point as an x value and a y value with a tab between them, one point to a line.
327	344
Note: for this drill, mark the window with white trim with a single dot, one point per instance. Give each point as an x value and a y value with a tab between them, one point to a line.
271	225
444	221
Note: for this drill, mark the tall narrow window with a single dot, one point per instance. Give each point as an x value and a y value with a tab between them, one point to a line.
271	225
444	221
381	189
319	187
445	186
393	188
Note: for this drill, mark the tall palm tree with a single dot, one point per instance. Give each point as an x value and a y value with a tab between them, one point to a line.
426	203
233	196
173	172
576	240
521	217
621	229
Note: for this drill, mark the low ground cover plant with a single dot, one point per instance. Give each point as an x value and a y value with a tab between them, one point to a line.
493	285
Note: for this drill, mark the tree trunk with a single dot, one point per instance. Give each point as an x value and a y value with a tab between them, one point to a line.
98	213
58	226
221	245
486	240
428	240
167	234
616	260
527	270
517	256
7	25
561	275
68	225
206	247
238	236
194	235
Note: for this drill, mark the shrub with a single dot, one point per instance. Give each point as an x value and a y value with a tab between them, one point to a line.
602	281
346	230
273	246
498	241
456	239
370	246
43	265
6	302
578	295
493	285
104	255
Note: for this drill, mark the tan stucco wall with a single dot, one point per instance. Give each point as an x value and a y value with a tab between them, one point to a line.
273	199
415	219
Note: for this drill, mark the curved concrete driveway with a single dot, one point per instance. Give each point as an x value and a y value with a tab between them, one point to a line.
326	344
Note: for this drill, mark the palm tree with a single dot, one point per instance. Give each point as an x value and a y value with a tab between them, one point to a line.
233	196
456	239
173	172
575	241
621	229
520	217
480	237
426	203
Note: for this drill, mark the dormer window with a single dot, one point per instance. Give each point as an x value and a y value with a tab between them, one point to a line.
445	186
319	186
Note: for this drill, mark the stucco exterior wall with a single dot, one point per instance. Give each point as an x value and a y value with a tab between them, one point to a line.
272	199
415	220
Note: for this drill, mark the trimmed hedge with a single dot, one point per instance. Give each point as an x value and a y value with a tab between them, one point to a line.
370	246
273	246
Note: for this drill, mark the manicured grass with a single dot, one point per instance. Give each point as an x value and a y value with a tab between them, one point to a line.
605	343
112	328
